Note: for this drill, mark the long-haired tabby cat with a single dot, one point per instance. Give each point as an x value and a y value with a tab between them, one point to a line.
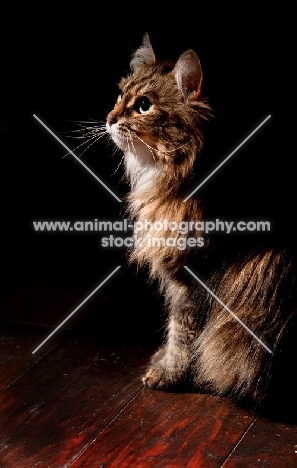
157	122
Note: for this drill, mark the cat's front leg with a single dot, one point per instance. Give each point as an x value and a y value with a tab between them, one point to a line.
169	366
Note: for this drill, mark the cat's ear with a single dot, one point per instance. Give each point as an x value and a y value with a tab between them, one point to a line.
144	54
188	75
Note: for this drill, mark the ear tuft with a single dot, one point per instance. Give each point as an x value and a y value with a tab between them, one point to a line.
144	54
188	75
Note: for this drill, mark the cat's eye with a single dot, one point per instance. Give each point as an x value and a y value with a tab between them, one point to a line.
143	105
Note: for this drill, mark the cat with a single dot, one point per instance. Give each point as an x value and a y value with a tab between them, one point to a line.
157	122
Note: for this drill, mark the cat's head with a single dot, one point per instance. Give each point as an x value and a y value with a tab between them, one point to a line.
157	118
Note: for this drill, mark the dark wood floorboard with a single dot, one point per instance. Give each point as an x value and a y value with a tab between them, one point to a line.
62	403
163	430
79	401
17	342
267	443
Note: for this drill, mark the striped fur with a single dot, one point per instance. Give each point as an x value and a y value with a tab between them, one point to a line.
162	137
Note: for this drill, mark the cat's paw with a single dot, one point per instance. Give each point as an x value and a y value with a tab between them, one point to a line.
156	378
163	373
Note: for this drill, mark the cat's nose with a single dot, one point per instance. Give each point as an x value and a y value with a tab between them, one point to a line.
111	118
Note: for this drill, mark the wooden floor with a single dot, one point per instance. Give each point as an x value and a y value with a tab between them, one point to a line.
79	401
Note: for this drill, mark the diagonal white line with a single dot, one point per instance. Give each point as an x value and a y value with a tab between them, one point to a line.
229	310
75	310
79	160
228	157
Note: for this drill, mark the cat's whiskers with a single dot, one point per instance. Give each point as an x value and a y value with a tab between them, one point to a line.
81	123
96	135
95	139
151	148
77	147
122	158
179	147
90	133
86	130
140	170
133	175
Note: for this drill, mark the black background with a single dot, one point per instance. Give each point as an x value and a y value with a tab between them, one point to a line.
64	66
